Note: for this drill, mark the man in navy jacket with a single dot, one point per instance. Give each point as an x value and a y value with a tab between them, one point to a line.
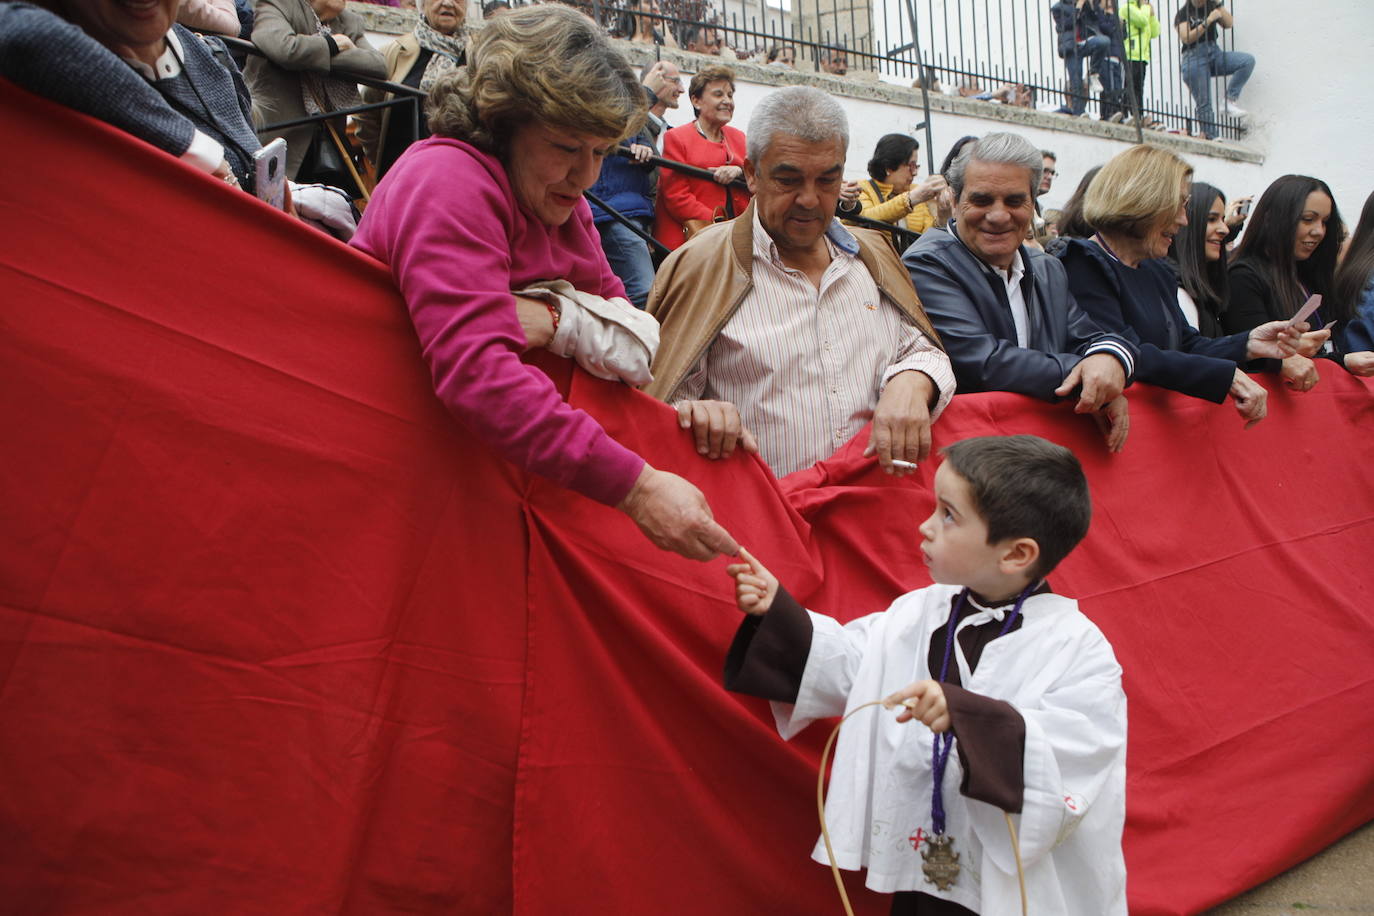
1004	311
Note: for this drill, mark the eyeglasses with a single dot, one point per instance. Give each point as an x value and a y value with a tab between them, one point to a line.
1050	173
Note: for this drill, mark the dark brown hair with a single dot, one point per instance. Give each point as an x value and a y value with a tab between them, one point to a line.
1026	487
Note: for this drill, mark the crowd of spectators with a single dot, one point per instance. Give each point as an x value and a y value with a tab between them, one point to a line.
1140	277
1115	40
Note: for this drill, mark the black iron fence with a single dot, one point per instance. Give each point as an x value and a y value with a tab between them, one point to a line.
1000	50
410	101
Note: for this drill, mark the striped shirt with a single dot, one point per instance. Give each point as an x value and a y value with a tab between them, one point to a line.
805	366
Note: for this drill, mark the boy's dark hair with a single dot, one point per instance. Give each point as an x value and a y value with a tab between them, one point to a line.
1026	487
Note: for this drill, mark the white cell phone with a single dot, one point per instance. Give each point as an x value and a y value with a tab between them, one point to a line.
269	183
1244	209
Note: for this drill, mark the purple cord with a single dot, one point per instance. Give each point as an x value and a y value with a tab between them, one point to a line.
945	740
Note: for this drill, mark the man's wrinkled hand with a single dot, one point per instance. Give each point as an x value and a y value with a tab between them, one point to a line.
1114	422
717	428
1102	378
901	421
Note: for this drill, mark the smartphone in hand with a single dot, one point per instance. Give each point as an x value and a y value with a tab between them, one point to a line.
270	173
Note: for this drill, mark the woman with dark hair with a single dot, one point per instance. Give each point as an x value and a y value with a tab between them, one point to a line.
1199	255
687	204
492	203
954	152
1072	225
1289	253
891	196
1354	295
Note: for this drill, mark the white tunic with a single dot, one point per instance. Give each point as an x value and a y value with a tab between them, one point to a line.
1058	671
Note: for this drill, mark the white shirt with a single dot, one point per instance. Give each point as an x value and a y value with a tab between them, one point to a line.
805	366
1059	673
1188	306
658	138
1015	298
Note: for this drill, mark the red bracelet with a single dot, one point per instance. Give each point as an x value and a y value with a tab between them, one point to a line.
554	312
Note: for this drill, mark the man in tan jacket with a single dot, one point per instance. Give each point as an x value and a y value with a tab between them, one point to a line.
785	332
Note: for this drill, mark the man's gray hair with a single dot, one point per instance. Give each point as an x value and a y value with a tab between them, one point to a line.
999	148
802	111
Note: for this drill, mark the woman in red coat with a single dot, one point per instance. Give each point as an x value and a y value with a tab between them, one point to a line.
686	204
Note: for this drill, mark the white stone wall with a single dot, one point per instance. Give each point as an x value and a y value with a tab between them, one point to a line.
1310	100
1311	97
869	119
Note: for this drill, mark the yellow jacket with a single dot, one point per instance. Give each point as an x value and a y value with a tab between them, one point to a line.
879	204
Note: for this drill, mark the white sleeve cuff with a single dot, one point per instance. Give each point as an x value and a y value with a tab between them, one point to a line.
1117	349
204	153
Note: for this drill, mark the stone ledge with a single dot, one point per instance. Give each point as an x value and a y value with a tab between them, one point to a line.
388	20
860	87
384	20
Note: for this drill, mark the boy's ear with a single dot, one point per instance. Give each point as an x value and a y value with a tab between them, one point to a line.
1019	557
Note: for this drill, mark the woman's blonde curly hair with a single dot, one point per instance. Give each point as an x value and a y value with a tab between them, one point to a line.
545	63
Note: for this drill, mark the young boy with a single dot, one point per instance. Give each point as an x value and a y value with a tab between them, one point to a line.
1028	692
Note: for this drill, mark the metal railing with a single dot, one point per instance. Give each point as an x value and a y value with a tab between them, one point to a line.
901	238
970	47
414	98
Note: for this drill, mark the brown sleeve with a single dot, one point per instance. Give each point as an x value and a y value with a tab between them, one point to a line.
768	655
992	747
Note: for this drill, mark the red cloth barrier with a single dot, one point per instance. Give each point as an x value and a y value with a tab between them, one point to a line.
277	636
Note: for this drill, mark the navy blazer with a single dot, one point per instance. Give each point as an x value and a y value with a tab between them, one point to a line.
1142	304
967	303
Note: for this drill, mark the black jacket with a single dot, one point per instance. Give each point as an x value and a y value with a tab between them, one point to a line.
1142	305
967	303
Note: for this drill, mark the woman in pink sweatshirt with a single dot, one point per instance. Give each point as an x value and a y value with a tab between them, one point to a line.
491	203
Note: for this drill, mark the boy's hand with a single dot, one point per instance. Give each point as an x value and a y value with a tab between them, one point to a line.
755	586
923	700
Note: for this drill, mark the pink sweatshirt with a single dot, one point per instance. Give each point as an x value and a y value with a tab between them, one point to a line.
446	221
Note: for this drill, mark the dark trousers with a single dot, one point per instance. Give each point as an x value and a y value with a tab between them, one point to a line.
1135	84
915	903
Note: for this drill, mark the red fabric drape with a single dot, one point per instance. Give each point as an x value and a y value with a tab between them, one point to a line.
277	636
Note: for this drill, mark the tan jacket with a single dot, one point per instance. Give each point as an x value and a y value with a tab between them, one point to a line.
400	56
701	285
286	32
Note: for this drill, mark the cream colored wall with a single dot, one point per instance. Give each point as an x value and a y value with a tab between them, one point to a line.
1309	100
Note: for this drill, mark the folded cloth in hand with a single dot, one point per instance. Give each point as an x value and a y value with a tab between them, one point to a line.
610	338
326	208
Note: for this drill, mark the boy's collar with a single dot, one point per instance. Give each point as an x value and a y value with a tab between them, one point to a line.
983	604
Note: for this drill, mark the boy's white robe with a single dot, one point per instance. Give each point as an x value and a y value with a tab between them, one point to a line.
1059	673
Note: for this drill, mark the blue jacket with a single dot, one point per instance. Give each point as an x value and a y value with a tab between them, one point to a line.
1090	20
1359	332
968	305
1142	305
625	185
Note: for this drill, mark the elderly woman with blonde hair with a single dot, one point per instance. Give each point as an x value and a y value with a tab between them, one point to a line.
492	203
1135	206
